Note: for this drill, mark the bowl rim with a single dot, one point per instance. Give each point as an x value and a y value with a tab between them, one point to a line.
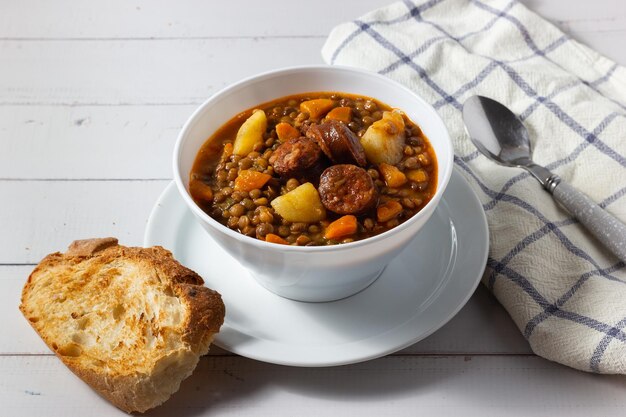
443	176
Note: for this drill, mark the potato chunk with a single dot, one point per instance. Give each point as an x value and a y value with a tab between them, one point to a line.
301	204
384	140
250	133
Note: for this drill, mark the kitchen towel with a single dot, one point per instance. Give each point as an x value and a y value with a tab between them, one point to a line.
565	292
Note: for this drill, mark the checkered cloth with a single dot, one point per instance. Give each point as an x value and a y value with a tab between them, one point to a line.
564	291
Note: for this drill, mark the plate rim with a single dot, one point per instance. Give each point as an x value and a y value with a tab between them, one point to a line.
482	225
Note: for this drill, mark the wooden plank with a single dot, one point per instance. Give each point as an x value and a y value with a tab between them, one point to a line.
609	44
124	72
392	386
19	337
45	216
601	25
481	327
32	19
183	19
579	17
70	142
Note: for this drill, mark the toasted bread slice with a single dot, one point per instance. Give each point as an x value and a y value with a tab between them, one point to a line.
131	322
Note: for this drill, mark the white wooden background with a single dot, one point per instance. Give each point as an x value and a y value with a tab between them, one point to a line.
92	96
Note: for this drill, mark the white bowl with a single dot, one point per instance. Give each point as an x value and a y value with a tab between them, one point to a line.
311	273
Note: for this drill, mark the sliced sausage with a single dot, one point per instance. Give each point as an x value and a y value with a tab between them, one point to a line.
347	189
338	142
297	158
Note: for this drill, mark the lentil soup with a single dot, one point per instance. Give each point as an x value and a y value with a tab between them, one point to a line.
315	169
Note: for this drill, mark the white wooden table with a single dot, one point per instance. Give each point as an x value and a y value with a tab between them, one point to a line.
91	99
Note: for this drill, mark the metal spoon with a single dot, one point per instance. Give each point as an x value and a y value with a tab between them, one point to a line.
502	137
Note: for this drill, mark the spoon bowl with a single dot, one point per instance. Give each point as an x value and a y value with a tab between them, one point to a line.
497	132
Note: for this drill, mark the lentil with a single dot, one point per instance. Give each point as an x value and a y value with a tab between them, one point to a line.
237	210
292	184
263	229
283	231
302	240
254	194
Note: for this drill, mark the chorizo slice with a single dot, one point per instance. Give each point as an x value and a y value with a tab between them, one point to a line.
297	158
347	189
338	142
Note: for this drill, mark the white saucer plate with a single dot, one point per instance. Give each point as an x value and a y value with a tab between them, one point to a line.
417	293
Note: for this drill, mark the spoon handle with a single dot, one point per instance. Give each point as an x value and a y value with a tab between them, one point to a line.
605	227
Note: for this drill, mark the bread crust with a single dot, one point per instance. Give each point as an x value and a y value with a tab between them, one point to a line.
137	390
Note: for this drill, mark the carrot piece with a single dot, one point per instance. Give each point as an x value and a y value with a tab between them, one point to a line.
417	175
272	238
343	226
317	108
249	180
285	132
388	211
200	191
392	175
228	151
343	114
